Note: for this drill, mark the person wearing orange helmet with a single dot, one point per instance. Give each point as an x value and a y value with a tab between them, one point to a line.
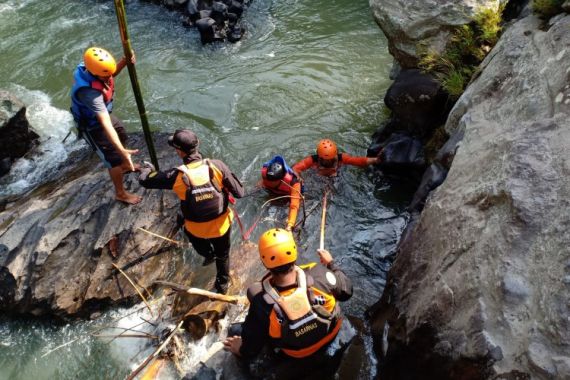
328	160
91	105
292	308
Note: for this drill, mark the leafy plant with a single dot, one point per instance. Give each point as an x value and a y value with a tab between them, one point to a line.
467	47
547	8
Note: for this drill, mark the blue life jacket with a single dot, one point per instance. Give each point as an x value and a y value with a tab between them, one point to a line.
84	117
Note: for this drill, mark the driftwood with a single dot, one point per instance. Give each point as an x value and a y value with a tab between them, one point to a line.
205	293
202	318
155	354
135	287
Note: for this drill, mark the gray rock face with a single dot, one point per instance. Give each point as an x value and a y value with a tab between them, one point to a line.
477	289
57	243
16	136
409	23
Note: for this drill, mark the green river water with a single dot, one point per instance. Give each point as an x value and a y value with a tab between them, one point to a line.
305	70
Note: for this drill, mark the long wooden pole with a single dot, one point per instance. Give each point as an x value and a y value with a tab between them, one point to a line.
155	353
122	19
323	220
205	293
135	287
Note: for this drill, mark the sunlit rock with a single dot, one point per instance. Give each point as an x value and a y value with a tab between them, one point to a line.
480	274
409	25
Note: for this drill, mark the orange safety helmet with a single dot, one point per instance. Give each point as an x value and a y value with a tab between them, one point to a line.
277	248
99	62
326	149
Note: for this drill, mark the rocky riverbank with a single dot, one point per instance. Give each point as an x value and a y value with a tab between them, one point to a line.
480	284
58	244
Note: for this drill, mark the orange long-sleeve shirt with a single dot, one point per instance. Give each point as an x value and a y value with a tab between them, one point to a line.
295	193
343	159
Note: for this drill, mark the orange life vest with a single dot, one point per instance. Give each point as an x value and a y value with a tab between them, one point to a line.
303	319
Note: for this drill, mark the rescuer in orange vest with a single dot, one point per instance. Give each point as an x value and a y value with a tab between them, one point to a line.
293	308
203	187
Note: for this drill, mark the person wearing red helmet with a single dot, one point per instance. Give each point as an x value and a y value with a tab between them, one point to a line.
294	309
327	160
91	105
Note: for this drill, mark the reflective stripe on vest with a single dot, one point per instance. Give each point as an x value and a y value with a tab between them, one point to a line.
201	193
294	319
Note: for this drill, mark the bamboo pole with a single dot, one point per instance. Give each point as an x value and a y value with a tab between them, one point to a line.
323	220
122	20
135	287
155	353
205	293
159	236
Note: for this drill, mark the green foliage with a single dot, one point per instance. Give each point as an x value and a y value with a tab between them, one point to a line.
454	82
467	47
488	24
547	8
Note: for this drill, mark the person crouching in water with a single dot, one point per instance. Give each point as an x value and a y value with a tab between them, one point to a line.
327	161
279	179
203	186
293	308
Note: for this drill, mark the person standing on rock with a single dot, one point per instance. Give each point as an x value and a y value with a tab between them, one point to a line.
293	309
91	105
204	187
327	160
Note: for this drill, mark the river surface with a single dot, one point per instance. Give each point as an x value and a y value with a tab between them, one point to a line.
305	70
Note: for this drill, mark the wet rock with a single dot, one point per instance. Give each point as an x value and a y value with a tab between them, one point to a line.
417	101
562	364
58	240
216	21
5	165
411	25
482	267
402	154
538	356
16	135
514	288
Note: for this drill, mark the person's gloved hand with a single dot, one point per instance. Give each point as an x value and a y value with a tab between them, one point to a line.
145	169
148	165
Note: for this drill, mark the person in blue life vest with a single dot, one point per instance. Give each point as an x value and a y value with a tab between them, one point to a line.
204	187
91	105
279	179
294	309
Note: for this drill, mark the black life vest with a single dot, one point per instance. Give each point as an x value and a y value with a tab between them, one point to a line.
205	198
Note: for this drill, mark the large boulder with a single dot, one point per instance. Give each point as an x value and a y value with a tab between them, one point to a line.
16	135
410	25
417	101
480	285
58	244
